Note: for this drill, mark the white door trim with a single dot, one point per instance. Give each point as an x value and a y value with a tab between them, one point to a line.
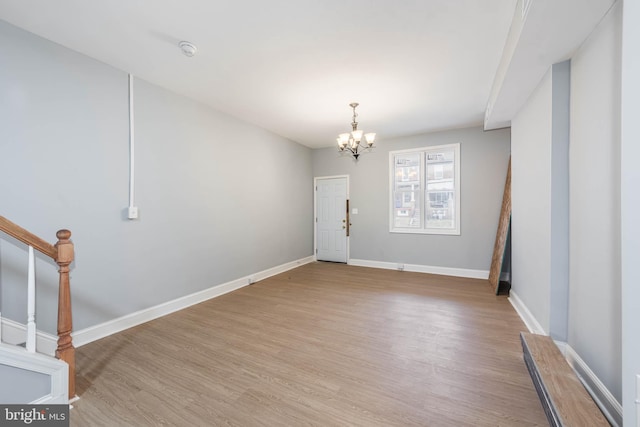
315	207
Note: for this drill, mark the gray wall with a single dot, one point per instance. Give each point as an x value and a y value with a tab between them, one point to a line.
539	186
595	298
540	191
219	199
531	202
559	221
484	158
630	206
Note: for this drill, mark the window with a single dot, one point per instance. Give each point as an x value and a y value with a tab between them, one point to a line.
425	190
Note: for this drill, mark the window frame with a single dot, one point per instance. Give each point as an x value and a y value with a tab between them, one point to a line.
423	151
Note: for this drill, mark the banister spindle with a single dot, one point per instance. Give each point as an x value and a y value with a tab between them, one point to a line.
65	350
31	303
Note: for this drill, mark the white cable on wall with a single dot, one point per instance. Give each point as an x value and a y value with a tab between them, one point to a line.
132	210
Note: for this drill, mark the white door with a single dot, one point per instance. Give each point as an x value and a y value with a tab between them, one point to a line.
331	219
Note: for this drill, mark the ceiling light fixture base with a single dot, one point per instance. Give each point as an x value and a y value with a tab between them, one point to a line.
188	48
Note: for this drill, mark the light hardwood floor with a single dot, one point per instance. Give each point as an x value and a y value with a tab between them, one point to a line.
325	345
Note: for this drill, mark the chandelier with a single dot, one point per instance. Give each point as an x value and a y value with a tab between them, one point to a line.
351	141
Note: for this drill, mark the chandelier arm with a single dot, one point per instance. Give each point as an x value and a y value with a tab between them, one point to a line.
356	152
357	148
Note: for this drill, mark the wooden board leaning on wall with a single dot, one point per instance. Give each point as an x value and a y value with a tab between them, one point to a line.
501	234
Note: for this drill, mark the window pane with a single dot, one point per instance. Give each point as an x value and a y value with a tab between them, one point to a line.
406	210
441	215
441	156
441	209
407	170
440	191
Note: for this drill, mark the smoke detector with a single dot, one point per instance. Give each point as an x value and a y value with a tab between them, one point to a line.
188	48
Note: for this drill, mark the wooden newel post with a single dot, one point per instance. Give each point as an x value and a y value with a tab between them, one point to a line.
65	350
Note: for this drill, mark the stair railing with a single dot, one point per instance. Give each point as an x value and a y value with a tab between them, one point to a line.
62	253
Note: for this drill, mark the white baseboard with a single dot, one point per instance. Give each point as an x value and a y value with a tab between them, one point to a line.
57	370
446	271
529	319
608	404
93	333
15	333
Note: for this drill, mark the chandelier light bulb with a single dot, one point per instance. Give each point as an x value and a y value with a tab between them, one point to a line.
370	138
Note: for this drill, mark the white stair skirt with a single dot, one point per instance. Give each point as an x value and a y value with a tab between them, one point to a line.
57	370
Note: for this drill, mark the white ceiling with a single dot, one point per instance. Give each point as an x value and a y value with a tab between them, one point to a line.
293	66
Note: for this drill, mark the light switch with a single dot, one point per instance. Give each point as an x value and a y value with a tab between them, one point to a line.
354	211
